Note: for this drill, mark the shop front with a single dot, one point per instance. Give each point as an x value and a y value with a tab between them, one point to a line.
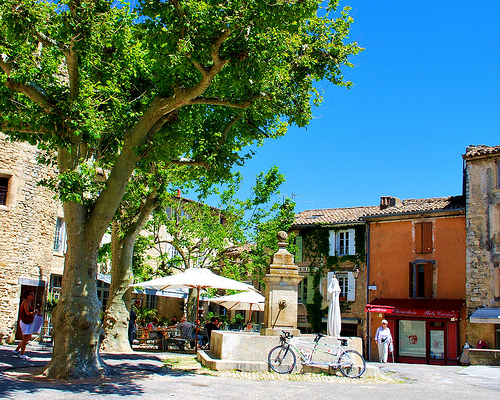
425	331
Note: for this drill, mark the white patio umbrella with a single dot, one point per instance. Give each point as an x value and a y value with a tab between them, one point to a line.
334	316
195	278
242	301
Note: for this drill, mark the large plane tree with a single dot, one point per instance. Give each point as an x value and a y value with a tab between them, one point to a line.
102	88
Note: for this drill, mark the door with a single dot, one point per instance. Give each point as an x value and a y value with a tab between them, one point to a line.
437	346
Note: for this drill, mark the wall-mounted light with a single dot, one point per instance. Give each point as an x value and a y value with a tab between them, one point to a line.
355	272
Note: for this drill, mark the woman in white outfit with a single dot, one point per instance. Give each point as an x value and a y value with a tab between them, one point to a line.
384	339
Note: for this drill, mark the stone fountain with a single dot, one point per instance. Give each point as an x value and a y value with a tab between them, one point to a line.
248	351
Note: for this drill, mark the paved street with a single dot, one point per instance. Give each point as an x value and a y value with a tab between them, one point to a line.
143	375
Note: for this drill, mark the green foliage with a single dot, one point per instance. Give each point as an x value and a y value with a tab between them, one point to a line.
316	249
200	234
315	310
142	271
50	304
238	319
146	315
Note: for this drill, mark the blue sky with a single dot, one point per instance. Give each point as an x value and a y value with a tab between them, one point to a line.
425	88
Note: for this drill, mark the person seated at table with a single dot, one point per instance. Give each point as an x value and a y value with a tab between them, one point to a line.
174	321
213	325
187	330
153	329
249	327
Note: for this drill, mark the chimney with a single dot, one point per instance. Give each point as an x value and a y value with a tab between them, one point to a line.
178	192
389	201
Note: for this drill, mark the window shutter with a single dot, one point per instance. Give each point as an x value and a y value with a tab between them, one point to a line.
429	272
351	287
298	254
418	238
333	243
352	242
426	237
329	277
411	275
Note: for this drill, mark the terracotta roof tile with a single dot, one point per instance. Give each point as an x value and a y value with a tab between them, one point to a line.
481	150
357	214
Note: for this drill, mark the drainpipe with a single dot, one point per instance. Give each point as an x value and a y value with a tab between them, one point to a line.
367	283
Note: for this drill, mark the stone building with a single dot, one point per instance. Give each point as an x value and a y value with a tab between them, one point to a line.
482	188
29	217
332	241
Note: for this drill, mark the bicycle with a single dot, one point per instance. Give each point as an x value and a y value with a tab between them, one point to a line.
282	358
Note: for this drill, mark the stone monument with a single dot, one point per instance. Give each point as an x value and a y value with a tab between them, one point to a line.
281	291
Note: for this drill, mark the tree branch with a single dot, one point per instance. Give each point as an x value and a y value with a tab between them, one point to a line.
5	64
71	61
219	102
193	163
33	92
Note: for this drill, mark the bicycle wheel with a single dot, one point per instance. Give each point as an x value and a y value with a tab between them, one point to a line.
351	364
282	359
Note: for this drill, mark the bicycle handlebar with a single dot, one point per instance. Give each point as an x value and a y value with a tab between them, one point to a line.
318	337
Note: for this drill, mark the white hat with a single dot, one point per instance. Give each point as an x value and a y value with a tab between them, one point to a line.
384	321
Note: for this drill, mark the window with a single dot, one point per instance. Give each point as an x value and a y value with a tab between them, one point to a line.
343	280
497	173
342	243
421	277
303	290
55	286
151	301
298	253
423	237
103	293
60	236
412	338
4	186
347	285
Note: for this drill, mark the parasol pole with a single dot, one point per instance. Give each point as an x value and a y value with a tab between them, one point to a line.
196	320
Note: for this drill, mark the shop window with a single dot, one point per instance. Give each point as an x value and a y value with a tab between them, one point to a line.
412	341
342	243
298	253
421	274
423	237
4	187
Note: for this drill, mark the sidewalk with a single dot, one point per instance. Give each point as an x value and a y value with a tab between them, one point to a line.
438	372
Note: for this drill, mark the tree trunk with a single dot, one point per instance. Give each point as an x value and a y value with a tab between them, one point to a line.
76	319
117	315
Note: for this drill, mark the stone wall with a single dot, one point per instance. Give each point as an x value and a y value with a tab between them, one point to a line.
483	245
27	226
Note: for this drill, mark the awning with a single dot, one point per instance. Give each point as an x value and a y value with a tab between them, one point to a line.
485	316
426	308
